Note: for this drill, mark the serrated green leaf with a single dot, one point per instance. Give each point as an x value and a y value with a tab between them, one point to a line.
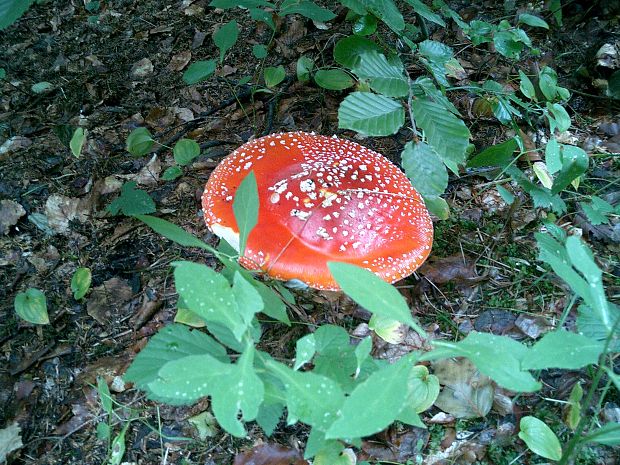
526	86
174	233
424	168
371	114
562	349
445	133
80	282
435	55
539	438
225	37
505	194
259	51
305	65
333	79
139	142
77	142
274	75
171	173
348	50
384	77
31	306
185	150
132	201
532	20
597	210
372	293
12	10
306	8
199	71
245	208
374	403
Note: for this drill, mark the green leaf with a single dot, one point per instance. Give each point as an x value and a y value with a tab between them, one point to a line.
384	77
425	12
505	194
305	349
245	208
435	55
80	282
335	356
273	305
561	120
574	411
348	50
445	133
372	293
132	201
495	155
32	306
539	438
506	44
437	206
388	329
424	168
117	448
139	142
498	357
423	388
597	210
171	173
259	51
526	86
274	75
311	398
305	65
608	434
533	21
365	25
104	395
562	349
199	71
12	10
574	163
613	85
387	12
228	4
553	160
42	87
362	352
306	8
333	79
371	114
374	403
590	325
548	83
185	151
77	142
174	233
2	74
225	37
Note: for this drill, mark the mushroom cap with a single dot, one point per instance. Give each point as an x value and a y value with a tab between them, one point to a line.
321	199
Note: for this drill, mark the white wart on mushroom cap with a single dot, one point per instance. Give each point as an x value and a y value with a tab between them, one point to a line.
321	199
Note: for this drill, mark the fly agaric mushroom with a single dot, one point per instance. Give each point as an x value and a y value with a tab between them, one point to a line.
321	199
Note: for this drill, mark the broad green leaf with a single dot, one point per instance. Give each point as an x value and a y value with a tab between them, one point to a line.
42	87
117	448
348	50
77	142
388	329
273	304
306	8
384	77
104	395
274	75
172	342
259	51
333	79
305	65
548	83
542	173
199	71
335	356
208	294
539	438
139	142
132	201
228	4
205	424
362	352
269	416
505	194
2	74
372	293
597	210
613	85
240	391
574	402
444	132
526	86
423	388
589	324
542	197
424	168
574	163
305	349
608	434
32	306
80	282
171	173
387	12
185	316
174	233
311	398
495	155
562	349
437	206
375	403
561	120
365	25
371	114
185	151
225	37
531	20
356	6
435	55
553	160
423	10
12	10
245	207
498	357
247	297
506	45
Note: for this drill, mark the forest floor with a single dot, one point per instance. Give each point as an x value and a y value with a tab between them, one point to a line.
119	67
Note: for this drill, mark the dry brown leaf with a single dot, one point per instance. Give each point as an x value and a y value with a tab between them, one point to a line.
61	210
450	269
270	454
180	61
142	69
105	300
10	213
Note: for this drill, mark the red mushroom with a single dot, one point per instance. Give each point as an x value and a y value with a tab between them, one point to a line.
321	199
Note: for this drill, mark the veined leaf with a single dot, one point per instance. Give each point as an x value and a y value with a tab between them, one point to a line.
371	114
526	86
574	163
225	37
12	10
80	282
32	306
533	21
495	155
185	151
424	168
174	233
306	8
245	209
132	201
384	77
333	79
562	349
77	142
274	75
423	10
539	438
139	142
608	434
199	71
348	50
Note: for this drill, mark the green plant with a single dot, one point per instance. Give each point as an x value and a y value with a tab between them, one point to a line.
31	306
12	10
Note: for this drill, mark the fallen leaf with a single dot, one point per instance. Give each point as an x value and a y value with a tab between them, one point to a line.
10	213
532	326
180	61
105	300
270	454
495	321
10	440
399	446
61	210
450	269
14	144
141	69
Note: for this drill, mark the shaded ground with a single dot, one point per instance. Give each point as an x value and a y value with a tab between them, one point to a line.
123	70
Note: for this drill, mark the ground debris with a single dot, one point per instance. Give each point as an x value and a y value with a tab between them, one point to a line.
270	454
10	213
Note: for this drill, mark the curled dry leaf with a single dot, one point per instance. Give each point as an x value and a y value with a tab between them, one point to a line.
10	213
270	454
